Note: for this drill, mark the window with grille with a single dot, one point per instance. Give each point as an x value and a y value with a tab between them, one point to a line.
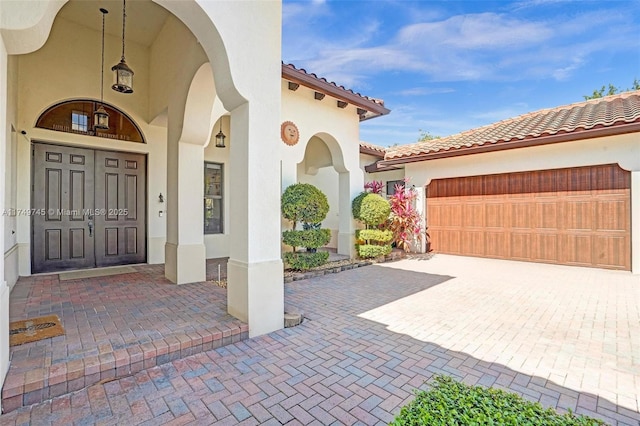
213	220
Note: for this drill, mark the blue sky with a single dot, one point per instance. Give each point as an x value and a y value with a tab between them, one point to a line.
448	66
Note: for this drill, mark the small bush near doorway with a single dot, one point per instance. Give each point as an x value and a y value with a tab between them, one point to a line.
452	403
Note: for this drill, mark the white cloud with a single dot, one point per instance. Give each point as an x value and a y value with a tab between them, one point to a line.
471	47
422	91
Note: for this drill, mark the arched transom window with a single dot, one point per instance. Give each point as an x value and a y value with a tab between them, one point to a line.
76	116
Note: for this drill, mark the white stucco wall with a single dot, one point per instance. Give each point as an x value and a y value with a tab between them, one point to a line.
10	175
5	136
623	150
339	129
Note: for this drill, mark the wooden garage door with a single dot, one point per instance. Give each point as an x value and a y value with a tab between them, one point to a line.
579	216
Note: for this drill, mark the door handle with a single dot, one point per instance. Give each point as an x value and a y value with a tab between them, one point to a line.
90	224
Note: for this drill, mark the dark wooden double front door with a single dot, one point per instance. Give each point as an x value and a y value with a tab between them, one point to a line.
88	208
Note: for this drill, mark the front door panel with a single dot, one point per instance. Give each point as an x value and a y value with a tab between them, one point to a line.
63	180
89	208
120	208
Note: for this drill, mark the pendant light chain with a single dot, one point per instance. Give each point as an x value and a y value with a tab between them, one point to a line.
124	18
102	67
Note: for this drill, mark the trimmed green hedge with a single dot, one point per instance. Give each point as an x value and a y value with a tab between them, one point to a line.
304	260
312	238
452	403
378	235
368	251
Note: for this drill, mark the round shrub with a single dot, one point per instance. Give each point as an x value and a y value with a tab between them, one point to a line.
356	203
374	210
303	202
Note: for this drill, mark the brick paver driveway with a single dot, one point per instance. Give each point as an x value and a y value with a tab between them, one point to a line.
567	337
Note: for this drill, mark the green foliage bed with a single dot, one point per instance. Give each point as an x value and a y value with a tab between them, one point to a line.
452	403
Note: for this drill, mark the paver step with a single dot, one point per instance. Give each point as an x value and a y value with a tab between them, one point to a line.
28	386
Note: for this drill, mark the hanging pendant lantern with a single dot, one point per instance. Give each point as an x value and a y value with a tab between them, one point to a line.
100	115
124	74
220	137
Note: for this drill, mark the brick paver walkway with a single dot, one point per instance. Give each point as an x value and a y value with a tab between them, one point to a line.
114	325
567	337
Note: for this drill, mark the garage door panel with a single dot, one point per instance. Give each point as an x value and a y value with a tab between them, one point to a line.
496	244
495	186
473	215
578	216
610	250
545	183
520	246
520	186
522	215
472	242
495	215
547	216
578	249
611	215
450	241
605	179
546	248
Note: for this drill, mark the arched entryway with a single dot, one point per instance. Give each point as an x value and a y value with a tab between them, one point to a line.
56	47
323	166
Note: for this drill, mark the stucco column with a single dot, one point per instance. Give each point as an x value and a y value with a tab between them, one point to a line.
635	222
255	288
185	252
421	207
349	186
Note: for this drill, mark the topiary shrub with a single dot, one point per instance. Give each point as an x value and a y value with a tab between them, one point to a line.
356	203
452	403
369	251
303	202
380	235
372	210
312	238
305	261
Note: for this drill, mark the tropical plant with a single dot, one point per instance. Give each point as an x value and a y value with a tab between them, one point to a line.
375	186
405	221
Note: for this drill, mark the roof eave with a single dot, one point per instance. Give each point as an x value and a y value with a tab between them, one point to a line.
312	82
371	151
575	135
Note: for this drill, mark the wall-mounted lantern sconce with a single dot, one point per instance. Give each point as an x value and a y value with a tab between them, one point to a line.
160	198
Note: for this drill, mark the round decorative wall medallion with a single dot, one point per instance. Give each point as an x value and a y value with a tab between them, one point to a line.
289	133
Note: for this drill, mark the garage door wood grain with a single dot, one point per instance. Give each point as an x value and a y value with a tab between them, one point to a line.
578	216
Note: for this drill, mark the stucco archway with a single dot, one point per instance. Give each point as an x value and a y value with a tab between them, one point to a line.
323	165
235	47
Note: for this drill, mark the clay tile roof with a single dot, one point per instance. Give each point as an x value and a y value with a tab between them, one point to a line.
371	149
594	114
374	107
